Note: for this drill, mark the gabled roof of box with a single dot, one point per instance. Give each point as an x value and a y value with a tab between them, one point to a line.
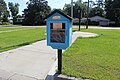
57	11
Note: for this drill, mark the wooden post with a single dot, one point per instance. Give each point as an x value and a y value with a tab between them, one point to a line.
59	61
79	15
87	15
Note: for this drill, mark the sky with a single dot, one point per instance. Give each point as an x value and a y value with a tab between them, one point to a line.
51	3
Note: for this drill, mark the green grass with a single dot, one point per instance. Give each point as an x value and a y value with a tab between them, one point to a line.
94	58
6	29
14	39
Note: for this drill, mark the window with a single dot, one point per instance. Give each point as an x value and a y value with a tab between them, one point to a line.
57	33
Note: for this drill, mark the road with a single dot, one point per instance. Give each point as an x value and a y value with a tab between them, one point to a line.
90	27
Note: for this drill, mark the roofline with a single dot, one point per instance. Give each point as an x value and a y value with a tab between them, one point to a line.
59	13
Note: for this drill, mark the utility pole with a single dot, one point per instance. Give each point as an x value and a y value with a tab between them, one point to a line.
72	8
87	15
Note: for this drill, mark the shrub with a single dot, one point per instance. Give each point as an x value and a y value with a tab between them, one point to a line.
0	23
5	23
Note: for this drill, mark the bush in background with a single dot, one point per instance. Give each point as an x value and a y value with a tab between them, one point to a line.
5	23
0	23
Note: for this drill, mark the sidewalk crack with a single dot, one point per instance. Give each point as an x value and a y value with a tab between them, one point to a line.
11	76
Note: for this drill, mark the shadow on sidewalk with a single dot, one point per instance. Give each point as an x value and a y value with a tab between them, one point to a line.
57	77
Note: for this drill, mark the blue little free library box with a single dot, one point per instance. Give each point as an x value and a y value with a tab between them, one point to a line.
59	30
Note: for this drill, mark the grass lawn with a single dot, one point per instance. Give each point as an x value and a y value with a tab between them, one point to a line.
23	36
94	58
6	29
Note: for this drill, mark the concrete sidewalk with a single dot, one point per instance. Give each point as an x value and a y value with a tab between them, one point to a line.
31	62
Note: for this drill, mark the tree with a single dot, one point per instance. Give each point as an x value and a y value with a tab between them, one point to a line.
14	9
96	11
100	3
77	5
67	9
5	16
112	9
81	6
35	12
3	8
